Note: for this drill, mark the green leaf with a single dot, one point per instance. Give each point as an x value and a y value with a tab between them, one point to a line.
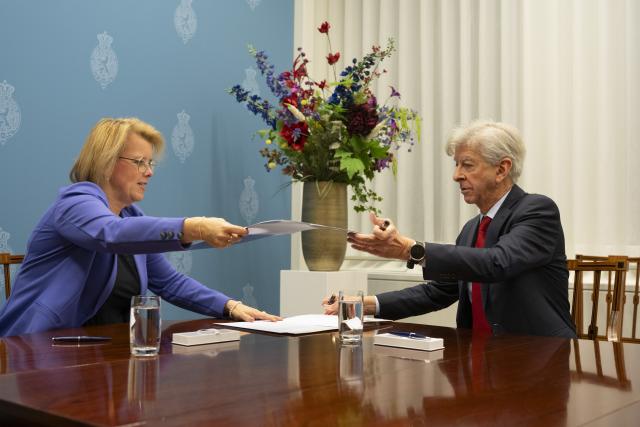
378	151
351	166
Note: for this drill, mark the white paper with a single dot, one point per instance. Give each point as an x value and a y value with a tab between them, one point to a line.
275	227
302	324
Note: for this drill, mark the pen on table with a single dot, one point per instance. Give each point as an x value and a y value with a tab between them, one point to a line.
412	335
384	226
79	339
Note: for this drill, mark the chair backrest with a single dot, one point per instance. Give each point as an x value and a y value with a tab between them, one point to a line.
635	261
6	259
616	268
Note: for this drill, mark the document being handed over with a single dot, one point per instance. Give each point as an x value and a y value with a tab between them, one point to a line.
276	227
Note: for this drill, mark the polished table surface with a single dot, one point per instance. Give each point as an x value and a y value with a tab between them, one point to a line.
312	380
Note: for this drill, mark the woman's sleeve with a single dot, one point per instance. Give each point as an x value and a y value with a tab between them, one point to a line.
182	290
82	216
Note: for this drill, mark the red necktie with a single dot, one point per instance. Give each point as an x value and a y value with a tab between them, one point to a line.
480	322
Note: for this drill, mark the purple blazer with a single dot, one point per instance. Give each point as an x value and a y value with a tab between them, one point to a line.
70	266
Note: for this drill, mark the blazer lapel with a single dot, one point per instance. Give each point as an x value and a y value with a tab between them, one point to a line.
493	232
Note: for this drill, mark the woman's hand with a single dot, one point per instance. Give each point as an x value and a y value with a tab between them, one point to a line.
244	313
215	231
384	241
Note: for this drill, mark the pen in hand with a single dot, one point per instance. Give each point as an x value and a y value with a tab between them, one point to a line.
384	226
332	299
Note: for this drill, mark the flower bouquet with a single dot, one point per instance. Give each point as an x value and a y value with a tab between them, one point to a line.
331	131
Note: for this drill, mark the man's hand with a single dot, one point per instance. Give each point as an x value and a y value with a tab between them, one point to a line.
384	241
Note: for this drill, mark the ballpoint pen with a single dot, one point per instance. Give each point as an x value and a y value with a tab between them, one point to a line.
412	335
79	339
332	299
384	226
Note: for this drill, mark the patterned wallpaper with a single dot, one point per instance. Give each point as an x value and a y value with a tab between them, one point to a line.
66	64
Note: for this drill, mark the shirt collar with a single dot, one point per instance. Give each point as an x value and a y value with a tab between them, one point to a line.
494	209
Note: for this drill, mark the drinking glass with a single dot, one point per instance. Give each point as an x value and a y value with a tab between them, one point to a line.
350	317
145	325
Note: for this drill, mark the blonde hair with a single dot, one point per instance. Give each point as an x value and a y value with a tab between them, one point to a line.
494	141
105	143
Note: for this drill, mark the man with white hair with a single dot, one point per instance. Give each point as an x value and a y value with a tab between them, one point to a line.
507	269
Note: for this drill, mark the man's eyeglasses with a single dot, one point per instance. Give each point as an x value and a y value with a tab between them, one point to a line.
143	165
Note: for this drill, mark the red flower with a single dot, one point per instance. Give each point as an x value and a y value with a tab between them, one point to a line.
322	84
324	27
332	58
300	72
291	99
362	118
295	135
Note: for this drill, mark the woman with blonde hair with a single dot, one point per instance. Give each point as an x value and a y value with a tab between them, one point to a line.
94	248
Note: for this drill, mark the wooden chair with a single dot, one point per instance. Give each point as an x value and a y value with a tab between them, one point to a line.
636	298
616	268
6	259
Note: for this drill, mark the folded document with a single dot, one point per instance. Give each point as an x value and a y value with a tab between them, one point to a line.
276	227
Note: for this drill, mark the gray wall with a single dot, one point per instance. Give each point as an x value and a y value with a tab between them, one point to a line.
59	93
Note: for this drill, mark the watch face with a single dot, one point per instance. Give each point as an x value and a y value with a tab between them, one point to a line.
417	251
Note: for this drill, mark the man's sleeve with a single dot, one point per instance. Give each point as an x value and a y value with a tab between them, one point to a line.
416	300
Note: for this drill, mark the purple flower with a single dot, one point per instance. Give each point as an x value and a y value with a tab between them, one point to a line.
394	92
362	118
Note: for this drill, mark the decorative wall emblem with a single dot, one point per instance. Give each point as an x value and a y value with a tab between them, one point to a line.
247	296
181	261
9	113
249	201
254	3
4	241
250	83
4	247
104	62
185	21
182	137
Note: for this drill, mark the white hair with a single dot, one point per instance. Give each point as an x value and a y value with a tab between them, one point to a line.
493	140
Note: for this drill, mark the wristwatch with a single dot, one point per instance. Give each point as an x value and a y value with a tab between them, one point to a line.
416	254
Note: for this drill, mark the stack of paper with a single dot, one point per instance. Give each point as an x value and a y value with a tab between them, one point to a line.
303	324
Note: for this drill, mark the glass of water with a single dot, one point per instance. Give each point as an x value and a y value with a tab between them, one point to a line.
350	317
145	326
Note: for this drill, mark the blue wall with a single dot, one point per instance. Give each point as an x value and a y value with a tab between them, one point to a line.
46	53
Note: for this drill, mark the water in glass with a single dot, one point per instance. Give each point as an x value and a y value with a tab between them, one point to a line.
145	327
350	317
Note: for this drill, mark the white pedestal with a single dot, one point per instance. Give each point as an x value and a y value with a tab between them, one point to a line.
301	292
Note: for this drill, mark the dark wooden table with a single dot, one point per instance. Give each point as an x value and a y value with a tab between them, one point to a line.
313	380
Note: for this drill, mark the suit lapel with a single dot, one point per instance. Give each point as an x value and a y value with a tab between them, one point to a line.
493	232
496	225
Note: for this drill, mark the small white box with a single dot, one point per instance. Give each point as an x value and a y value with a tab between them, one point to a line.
209	350
205	336
427	343
408	353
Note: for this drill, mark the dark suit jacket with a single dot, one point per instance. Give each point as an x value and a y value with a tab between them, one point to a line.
522	268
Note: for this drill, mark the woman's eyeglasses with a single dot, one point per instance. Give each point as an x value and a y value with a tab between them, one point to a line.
143	165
